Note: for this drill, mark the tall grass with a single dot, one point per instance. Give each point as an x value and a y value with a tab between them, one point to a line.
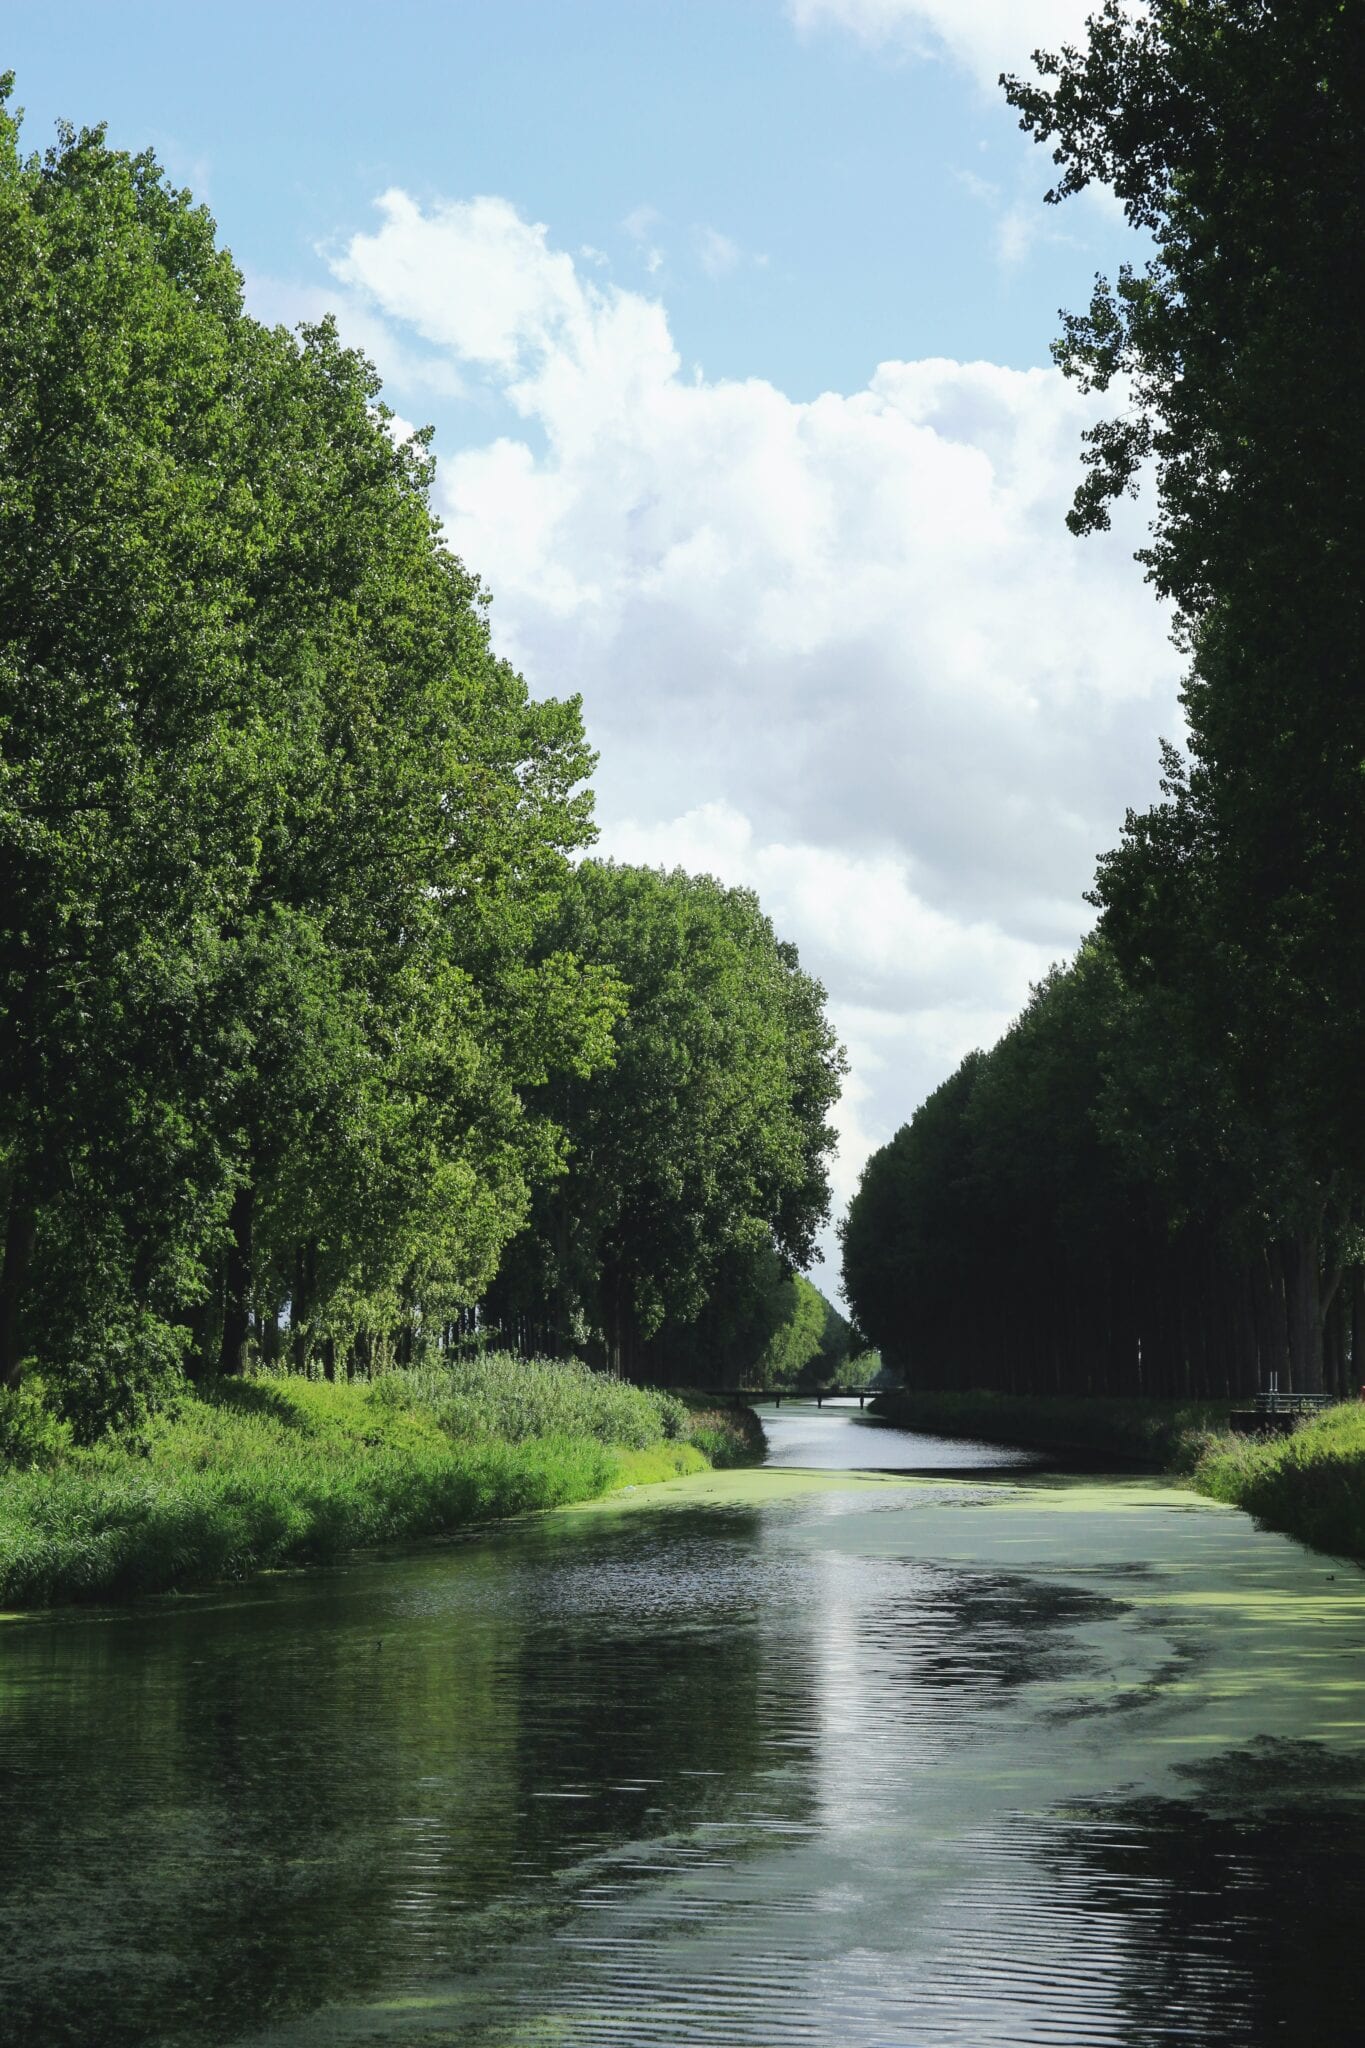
499	1395
273	1471
1310	1484
729	1436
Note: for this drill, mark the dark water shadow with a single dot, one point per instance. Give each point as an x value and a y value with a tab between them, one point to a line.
716	1776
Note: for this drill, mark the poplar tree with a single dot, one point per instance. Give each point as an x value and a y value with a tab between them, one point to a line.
279	834
1233	132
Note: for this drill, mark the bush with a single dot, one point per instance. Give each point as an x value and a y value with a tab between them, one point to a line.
30	1433
514	1399
728	1436
123	1367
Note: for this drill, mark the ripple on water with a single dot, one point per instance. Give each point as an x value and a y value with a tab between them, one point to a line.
852	1765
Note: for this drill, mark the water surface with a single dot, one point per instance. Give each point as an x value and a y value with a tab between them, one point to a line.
839	1436
794	1756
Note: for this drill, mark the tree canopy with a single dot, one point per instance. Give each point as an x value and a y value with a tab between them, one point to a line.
302	1003
1196	1079
702	1148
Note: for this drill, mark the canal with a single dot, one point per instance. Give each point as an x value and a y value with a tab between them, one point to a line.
893	1743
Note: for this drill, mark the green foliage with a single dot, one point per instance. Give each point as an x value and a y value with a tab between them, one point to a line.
1155	1183
302	1005
809	1345
498	1395
130	1365
1235	908
269	1471
30	1433
1310	1484
699	1154
280	836
762	1326
729	1436
1076	1212
1231	133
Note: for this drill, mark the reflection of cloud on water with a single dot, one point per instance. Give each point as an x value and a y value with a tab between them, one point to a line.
777	1758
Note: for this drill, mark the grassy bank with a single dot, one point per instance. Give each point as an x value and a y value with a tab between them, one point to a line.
253	1474
1156	1433
729	1436
1310	1484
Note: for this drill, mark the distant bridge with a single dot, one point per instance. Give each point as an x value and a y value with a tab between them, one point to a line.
777	1395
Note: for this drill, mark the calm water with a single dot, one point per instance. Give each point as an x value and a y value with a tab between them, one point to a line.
788	1757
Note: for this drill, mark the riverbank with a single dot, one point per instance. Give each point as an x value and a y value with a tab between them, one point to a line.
250	1475
1310	1484
1156	1434
730	1436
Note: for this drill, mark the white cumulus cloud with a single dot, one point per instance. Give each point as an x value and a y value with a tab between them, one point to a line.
842	650
987	36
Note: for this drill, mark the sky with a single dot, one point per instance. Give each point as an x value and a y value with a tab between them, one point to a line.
732	318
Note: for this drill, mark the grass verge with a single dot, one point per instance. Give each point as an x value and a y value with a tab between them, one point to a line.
258	1473
1310	1484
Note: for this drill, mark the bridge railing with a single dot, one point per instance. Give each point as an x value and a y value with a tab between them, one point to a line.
777	1395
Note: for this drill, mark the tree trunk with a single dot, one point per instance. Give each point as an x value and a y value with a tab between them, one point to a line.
237	1291
1305	1315
300	1303
20	1230
1277	1359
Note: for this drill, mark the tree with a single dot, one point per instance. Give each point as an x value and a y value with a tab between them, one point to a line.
702	1148
1074	1212
279	834
1233	132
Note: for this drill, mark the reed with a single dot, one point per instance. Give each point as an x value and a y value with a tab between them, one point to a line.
249	1475
729	1436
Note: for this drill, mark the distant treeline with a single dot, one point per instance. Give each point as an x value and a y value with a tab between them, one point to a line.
1156	1182
320	1044
1059	1218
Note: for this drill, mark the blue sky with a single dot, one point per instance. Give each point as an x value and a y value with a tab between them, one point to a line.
733	322
852	181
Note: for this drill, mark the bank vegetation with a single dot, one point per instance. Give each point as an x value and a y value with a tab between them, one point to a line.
269	1471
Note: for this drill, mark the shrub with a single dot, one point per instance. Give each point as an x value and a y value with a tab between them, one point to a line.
1310	1484
30	1433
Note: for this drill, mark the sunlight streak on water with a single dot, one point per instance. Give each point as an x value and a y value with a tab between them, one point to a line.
768	1759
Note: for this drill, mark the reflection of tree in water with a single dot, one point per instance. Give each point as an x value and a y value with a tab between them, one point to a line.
199	1823
1245	1902
210	1824
646	1674
954	1638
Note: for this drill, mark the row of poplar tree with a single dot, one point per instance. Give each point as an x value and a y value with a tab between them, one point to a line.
316	1031
1155	1183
